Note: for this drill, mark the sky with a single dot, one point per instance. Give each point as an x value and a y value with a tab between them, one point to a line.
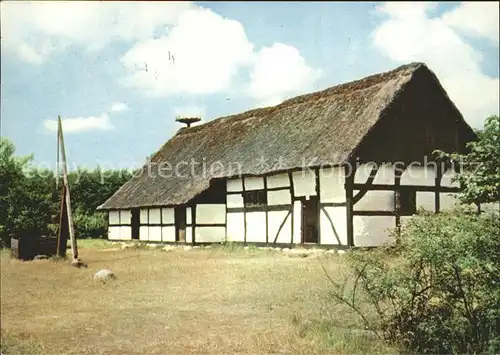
119	73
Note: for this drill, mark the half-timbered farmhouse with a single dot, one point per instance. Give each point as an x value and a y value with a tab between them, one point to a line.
338	167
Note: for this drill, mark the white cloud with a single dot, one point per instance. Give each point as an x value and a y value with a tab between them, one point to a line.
101	122
118	106
46	27
278	72
200	55
173	48
81	124
204	52
434	41
190	111
31	55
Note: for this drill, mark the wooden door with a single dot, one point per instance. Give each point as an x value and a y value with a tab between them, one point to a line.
135	223
180	224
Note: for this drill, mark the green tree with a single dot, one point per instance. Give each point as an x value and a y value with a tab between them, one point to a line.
89	189
25	195
30	202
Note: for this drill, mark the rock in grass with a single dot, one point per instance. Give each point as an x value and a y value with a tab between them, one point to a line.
104	275
40	257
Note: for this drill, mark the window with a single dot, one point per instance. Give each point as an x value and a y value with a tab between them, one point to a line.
255	198
407	202
119	217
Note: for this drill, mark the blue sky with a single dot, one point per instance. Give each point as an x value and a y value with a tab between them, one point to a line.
107	68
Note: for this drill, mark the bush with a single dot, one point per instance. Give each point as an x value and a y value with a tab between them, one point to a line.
439	293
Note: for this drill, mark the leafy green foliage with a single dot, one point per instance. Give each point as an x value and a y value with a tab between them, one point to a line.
480	173
25	207
30	202
90	225
441	293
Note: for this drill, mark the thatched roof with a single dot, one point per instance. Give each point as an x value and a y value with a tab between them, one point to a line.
327	125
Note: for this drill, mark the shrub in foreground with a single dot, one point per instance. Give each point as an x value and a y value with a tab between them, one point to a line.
438	292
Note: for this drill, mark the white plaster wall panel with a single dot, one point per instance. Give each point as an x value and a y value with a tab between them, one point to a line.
143	216
210	234
254	183
234	201
278	180
418	175
188	215
125	233
189	234
338	218
375	201
297	224
210	214
425	200
447	177
385	175
373	230
363	173
234	185
154	216
125	217
275	219
236	227
256	227
168	216
155	234
331	185
447	201
114	217
279	197
114	233
144	233
304	183
168	234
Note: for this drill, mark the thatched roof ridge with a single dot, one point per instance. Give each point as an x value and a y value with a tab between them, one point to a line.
341	89
321	128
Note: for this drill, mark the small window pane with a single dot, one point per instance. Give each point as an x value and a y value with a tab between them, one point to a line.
255	198
114	217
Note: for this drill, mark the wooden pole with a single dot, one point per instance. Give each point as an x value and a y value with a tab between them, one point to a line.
57	161
74	249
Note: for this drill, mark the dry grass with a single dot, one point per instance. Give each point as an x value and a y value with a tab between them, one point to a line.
200	301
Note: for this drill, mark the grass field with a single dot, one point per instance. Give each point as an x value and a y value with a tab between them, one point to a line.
204	301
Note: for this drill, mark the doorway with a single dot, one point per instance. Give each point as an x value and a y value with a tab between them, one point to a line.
180	224
310	220
135	223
